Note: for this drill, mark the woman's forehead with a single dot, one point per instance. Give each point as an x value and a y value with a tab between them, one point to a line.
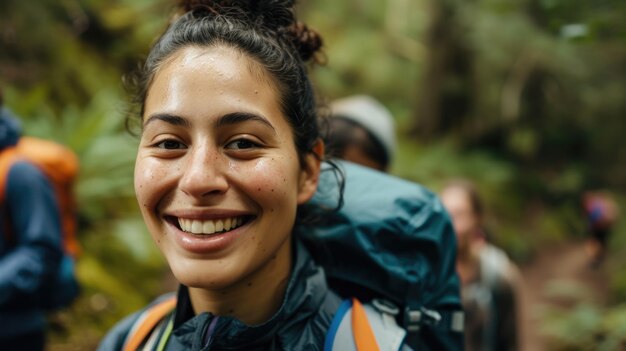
206	82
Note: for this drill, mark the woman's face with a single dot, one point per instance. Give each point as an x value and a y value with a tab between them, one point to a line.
464	220
217	174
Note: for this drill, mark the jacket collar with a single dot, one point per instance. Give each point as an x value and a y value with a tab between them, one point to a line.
305	294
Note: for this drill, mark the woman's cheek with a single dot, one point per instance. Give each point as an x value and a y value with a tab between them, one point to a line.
150	175
271	178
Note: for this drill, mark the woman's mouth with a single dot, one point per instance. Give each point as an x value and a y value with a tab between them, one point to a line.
210	226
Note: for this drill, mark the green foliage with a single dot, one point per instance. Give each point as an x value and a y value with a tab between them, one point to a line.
371	47
61	65
546	122
585	327
581	325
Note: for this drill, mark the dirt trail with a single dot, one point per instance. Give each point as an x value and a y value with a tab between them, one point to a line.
559	276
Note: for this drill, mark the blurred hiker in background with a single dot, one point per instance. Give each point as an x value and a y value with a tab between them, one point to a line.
601	213
490	281
361	130
30	244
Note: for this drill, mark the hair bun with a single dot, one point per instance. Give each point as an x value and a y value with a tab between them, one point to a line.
273	15
307	41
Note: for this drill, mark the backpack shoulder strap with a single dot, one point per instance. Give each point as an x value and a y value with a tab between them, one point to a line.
147	321
7	157
369	327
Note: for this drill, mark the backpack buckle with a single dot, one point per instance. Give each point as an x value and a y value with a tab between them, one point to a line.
385	306
414	319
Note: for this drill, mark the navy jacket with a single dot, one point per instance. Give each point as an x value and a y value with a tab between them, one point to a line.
301	323
31	253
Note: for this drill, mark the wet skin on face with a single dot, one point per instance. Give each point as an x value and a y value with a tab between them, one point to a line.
217	174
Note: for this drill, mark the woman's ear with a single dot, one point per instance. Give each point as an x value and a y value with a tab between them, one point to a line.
309	176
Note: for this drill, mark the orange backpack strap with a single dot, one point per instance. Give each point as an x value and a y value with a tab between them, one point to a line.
363	335
8	156
146	322
369	327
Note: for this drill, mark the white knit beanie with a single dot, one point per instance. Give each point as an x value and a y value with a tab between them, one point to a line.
371	115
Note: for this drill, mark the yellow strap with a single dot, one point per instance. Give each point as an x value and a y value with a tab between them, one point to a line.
151	318
361	330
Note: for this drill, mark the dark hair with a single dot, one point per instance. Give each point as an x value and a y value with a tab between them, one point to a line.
342	133
268	32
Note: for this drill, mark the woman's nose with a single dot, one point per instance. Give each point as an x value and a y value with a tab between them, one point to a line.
203	172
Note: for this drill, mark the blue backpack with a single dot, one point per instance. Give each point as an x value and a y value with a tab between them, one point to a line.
391	241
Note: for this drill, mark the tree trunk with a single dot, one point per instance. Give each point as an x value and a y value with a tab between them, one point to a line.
446	93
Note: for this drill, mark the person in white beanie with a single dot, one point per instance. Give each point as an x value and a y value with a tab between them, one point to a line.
361	130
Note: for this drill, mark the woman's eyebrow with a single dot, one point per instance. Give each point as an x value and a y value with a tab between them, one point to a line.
240	117
167	118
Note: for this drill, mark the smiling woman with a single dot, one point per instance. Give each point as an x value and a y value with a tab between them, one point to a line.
229	152
224	154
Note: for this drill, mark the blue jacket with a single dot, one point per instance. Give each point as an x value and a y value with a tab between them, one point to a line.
31	253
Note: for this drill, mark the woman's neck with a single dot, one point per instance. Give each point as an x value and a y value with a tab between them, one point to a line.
254	299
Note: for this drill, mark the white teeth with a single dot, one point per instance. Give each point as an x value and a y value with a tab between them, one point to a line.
196	227
209	226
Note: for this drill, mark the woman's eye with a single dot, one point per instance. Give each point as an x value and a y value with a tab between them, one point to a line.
170	145
241	144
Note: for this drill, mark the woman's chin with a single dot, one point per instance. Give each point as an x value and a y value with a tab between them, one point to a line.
213	285
205	279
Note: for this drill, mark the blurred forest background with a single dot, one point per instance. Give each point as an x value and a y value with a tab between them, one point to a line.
527	98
